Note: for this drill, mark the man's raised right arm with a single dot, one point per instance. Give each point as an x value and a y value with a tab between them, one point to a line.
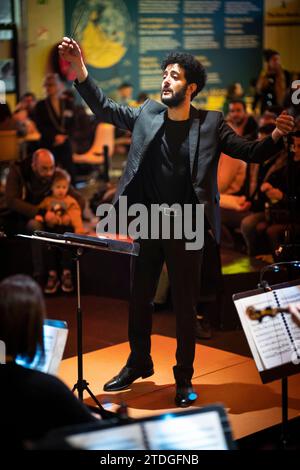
104	108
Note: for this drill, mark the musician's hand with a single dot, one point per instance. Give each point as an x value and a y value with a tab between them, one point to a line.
295	311
70	51
284	124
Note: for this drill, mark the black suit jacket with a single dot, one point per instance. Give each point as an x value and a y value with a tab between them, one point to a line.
209	135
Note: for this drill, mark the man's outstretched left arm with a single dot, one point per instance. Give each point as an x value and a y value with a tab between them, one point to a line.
256	151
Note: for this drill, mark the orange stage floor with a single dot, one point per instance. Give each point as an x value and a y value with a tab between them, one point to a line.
219	377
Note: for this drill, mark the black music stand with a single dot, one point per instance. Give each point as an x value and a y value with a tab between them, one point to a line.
281	372
284	438
78	245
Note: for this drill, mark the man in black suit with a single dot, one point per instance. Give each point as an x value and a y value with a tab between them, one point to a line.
173	158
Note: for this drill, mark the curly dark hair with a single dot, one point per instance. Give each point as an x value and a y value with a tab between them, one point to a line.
194	70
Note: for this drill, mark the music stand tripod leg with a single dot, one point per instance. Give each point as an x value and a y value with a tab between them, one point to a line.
81	383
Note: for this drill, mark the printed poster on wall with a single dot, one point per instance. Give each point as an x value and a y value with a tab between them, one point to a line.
125	41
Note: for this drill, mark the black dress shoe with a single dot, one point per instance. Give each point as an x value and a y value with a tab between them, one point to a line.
185	395
125	378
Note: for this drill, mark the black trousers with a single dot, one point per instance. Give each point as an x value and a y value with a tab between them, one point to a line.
184	272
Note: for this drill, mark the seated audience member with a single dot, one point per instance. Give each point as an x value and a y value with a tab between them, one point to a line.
280	210
256	172
18	121
24	115
54	118
238	118
28	183
234	92
231	174
267	118
234	205
26	126
27	103
61	214
268	186
7	122
46	403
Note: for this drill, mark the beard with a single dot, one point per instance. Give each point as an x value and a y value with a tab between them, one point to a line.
238	121
174	99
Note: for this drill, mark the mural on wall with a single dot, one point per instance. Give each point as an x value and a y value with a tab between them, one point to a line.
102	29
125	41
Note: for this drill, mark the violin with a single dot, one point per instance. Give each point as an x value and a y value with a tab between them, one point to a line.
259	314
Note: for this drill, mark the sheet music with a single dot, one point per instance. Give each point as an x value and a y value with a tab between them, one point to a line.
269	340
203	433
55	338
116	438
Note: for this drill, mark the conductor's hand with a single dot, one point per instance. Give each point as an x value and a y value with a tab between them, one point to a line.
284	124
70	51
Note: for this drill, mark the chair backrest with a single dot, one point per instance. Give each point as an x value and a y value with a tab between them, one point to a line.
9	146
105	135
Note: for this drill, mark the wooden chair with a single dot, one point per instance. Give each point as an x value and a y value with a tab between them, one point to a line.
9	146
104	136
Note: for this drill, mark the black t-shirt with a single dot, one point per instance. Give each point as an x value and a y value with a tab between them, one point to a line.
165	170
33	403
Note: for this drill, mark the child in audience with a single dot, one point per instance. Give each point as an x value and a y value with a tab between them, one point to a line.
61	214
